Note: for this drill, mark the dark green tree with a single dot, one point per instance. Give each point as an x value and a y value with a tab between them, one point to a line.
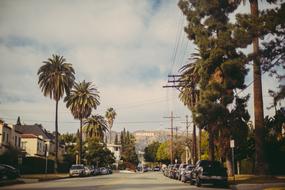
221	67
129	154
98	154
150	152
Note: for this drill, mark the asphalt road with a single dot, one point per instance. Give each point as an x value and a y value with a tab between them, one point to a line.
117	181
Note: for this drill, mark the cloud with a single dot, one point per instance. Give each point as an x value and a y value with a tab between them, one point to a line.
124	47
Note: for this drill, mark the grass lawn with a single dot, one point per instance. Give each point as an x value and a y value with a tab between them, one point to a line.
239	179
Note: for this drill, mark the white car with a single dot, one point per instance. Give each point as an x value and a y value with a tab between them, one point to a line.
77	170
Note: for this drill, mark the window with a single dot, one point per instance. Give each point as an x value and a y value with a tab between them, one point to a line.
7	138
3	137
16	142
24	145
19	142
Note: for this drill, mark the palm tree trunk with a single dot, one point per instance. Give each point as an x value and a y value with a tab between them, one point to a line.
211	143
194	145
229	163
56	137
199	147
110	135
261	167
80	142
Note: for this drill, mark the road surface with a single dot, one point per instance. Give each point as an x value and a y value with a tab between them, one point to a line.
117	181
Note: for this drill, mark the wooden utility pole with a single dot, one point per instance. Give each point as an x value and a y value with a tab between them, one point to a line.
171	117
187	140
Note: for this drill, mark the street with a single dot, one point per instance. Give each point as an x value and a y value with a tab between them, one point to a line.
117	181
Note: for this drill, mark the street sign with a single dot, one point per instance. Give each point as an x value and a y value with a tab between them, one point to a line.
232	143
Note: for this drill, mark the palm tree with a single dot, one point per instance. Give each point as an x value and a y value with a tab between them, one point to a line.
56	77
95	126
82	99
189	94
110	115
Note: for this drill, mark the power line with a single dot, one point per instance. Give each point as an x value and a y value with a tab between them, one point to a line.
177	41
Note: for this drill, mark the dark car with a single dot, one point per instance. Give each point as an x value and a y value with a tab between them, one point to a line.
212	172
156	169
187	173
8	172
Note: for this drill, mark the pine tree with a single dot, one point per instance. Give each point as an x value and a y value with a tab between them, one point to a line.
221	67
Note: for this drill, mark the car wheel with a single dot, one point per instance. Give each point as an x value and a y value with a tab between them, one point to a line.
198	182
183	179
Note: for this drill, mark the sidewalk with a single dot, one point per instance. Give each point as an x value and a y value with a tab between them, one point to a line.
33	178
252	182
44	177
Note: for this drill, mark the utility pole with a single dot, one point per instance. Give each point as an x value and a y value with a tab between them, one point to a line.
187	140
171	117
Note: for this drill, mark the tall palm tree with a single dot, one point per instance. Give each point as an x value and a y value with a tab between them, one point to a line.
188	94
110	115
82	99
56	77
95	126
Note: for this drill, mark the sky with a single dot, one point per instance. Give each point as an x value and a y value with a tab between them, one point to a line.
126	48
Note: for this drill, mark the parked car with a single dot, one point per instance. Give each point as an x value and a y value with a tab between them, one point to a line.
77	170
8	172
173	171
156	169
207	171
87	170
187	173
110	171
96	171
180	170
104	171
167	170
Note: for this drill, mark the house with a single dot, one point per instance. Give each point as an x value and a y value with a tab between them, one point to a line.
116	149
34	145
10	136
39	134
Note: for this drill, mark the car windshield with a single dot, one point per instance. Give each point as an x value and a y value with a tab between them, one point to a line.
76	167
206	163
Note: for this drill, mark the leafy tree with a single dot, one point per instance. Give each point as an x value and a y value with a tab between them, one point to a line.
275	141
82	99
71	142
129	154
150	152
98	154
110	115
163	151
249	30
56	78
95	126
10	156
221	68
